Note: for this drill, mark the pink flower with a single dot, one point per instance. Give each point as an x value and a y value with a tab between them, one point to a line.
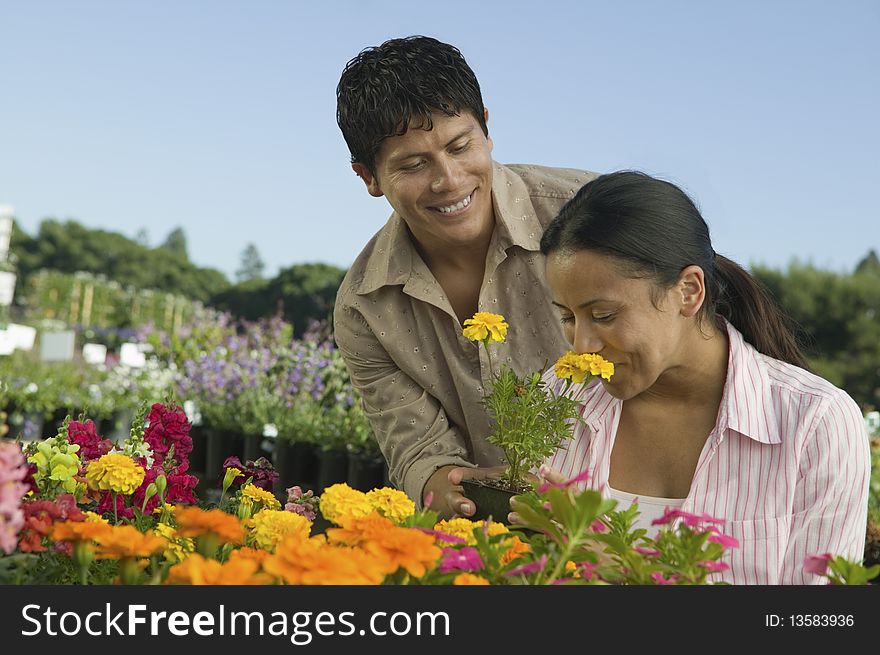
690	520
544	486
526	569
598	526
650	552
713	567
658	578
13	470
464	559
817	564
587	570
725	540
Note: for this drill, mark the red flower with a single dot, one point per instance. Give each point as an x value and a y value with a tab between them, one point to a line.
40	515
169	426
91	445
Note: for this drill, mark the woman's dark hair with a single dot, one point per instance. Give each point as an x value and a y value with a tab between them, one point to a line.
655	229
386	88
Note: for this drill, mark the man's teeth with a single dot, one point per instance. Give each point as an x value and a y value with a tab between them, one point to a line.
453	208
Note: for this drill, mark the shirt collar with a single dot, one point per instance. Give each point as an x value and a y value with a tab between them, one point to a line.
395	257
744	404
746	401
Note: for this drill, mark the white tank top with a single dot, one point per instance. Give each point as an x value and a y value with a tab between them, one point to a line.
650	508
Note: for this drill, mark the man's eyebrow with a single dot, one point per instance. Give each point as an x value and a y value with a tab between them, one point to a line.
398	157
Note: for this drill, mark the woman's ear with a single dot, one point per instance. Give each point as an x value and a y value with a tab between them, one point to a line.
691	288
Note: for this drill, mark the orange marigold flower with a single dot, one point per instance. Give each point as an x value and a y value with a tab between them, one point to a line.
358	529
517	547
194	522
313	562
197	570
126	541
469	579
79	530
259	556
404	548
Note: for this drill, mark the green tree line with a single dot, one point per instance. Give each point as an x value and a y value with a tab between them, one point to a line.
837	315
300	292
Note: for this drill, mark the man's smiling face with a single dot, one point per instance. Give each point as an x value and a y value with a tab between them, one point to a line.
439	181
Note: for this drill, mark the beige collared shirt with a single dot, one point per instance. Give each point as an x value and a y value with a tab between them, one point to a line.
421	380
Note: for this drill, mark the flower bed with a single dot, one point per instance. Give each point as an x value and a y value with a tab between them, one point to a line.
74	508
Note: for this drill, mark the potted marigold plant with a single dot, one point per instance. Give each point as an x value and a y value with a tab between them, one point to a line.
531	422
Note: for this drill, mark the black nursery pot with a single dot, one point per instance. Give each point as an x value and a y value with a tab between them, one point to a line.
366	472
490	501
296	463
333	468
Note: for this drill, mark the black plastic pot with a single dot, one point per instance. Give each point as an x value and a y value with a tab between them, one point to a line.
199	454
220	445
333	468
490	501
296	463
366	472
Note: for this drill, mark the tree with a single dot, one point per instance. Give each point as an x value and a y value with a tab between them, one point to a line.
252	265
176	243
870	265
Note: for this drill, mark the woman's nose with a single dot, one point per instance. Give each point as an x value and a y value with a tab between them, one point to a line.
586	340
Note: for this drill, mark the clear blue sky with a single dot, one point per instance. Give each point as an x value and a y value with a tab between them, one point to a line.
219	117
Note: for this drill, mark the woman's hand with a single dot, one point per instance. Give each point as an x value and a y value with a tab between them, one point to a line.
545	474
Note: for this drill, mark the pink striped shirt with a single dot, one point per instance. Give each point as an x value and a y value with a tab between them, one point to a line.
786	466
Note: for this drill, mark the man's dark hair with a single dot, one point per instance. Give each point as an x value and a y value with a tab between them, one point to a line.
401	82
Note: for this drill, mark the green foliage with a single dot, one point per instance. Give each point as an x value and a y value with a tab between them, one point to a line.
69	247
531	423
838	317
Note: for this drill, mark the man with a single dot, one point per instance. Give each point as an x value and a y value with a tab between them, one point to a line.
464	237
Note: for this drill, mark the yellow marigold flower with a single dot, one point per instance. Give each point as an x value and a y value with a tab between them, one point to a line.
179	548
311	562
125	541
195	522
91	517
570	566
459	527
575	367
485	325
269	526
79	530
340	502
252	495
115	472
404	548
391	503
197	570
469	579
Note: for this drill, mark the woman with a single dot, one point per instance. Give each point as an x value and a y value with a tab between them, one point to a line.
711	408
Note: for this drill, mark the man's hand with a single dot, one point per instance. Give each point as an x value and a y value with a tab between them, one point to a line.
447	494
